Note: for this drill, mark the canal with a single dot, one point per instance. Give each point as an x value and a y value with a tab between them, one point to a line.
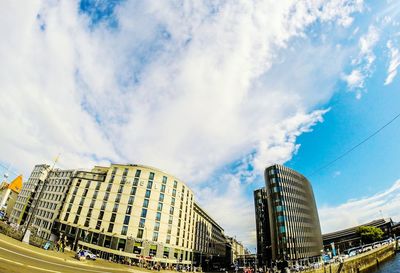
390	266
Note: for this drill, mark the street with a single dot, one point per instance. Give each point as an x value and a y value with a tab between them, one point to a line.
17	257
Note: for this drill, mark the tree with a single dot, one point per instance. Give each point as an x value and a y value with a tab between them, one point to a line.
369	234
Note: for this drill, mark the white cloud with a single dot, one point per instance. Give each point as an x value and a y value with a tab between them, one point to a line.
394	62
364	61
363	210
187	89
355	79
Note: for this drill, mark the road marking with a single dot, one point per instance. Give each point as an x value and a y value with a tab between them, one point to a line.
42	269
57	264
11	261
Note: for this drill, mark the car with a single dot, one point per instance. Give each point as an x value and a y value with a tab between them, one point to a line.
87	254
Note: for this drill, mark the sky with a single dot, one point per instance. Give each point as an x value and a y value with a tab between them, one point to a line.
211	92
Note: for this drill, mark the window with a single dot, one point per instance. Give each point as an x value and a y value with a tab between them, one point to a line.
151	176
79	210
164	180
160	205
115	209
162	188
172	201
109	187
144	213
124	230
175	184
158	216
168	239
157	226
76	219
146	203
137	174
118	198
140	234
126	220
110	227
133	191
101	214
135	182
148	193
149	184
142	222
173	192
131	199
121	188
161	199
106	195
171	210
155	237
128	209
113	216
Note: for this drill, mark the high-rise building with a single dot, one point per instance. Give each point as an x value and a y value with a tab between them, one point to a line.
29	192
41	199
288	227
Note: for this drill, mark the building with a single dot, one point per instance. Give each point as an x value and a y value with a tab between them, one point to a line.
287	208
48	185
234	250
47	212
141	214
209	241
262	227
28	193
9	194
348	238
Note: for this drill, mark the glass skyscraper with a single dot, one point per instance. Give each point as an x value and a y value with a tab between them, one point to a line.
288	227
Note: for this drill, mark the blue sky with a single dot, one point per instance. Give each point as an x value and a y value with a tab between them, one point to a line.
212	92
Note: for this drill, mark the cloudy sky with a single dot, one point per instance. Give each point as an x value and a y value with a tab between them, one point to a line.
212	92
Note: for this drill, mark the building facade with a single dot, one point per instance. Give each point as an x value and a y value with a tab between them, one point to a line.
234	250
29	192
264	252
48	209
293	230
48	186
209	241
139	213
9	194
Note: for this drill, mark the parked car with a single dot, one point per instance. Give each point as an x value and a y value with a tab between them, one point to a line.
87	254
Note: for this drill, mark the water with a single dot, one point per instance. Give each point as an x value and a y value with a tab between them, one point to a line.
390	266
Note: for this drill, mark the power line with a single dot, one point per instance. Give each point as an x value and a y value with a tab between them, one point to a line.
356	146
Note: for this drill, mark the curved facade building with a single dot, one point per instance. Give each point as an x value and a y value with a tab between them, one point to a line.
130	211
293	231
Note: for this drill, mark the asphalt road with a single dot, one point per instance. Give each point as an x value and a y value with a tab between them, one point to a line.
14	258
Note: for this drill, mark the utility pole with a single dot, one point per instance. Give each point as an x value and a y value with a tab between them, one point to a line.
38	200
